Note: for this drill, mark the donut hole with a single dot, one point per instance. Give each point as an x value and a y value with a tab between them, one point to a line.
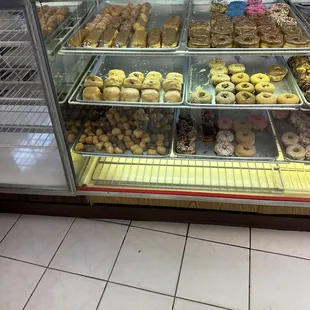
296	149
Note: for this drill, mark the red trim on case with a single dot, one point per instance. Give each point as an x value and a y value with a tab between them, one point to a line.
183	193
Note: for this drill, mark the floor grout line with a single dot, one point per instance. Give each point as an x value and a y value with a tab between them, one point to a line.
249	294
181	265
203	303
46	268
119	251
161	231
22	261
11	227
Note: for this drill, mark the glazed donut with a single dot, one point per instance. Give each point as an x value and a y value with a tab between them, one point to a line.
225	97
236	68
224	149
271	40
245	137
224	136
289	138
245	86
266	98
200	97
222	41
296	41
240	78
219	70
264	87
288	98
280	114
246	150
258	121
276	73
241	125
247	41
307	149
214	62
225	86
304	138
224	123
244	97
296	151
218	78
259	77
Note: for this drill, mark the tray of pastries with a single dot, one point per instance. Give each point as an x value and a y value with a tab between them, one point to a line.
241	82
132	81
293	132
222	134
300	68
126	132
245	26
126	26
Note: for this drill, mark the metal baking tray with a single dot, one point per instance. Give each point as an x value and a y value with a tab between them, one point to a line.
92	151
199	76
102	64
201	9
161	10
302	8
265	143
282	126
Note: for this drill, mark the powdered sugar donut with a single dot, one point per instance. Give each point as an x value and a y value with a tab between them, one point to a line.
224	123
258	121
224	149
224	136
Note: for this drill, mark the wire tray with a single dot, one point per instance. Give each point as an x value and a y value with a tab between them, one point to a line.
281	127
199	9
161	10
199	76
164	65
265	144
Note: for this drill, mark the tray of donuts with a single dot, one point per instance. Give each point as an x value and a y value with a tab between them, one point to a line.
241	82
133	81
126	26
126	132
222	134
243	25
293	132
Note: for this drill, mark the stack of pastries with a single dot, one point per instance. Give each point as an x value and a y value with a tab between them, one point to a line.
124	130
50	17
300	67
126	26
271	28
135	87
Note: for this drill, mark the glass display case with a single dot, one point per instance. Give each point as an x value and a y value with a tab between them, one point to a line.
149	100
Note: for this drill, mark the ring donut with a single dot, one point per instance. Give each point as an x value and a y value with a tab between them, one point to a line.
245	137
288	98
225	97
240	78
244	97
245	86
289	138
245	150
266	98
259	77
264	87
296	151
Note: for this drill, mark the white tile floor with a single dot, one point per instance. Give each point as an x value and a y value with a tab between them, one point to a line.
54	263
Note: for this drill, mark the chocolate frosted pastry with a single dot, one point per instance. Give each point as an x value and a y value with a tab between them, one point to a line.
173	22
261	30
107	37
221	41
222	28
138	39
291	30
208	127
92	39
199	25
186	136
247	41
198	33
298	41
78	38
271	40
127	25
203	42
185	146
115	23
154	38
169	38
121	39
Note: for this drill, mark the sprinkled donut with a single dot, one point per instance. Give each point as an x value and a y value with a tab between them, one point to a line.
224	136
304	138
224	149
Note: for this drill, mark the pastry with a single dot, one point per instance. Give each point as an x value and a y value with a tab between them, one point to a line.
276	73
138	39
240	78
293	41
132	82
264	87
259	77
92	38
271	40
245	97
119	74
245	150
266	98
173	22
198	33
154	38
93	80
225	97
199	25
225	86
245	86
236	68
107	37
111	94
200	97
172	96
155	75
280	114
121	39
137	74
291	30
175	76
245	137
258	121
247	41
78	38
221	28
218	6
224	149
214	62
296	151
225	136
224	123
171	85
222	41
288	98
113	81
219	70
169	38
130	95
218	78
149	95
92	93
208	121
151	84
241	125
289	138
200	42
